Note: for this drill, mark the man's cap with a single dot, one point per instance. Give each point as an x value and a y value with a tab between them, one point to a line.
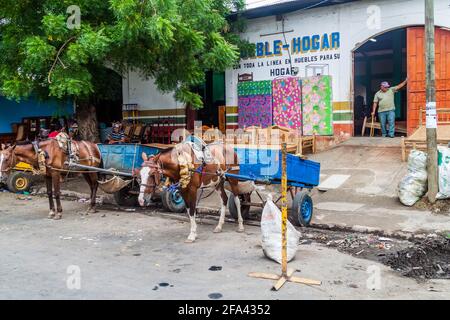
385	84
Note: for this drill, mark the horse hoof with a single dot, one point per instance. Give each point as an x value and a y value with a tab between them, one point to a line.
91	210
240	230
58	217
51	215
191	238
217	230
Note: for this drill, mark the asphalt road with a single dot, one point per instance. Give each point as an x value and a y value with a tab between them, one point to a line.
142	255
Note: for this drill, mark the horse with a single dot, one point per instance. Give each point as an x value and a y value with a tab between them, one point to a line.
55	158
207	175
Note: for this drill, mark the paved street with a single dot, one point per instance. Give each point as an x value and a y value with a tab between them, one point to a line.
142	255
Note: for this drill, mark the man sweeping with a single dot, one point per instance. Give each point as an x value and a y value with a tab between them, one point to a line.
384	99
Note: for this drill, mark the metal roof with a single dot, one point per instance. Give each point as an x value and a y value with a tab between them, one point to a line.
288	6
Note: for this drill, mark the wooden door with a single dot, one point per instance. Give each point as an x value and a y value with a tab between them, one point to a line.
416	73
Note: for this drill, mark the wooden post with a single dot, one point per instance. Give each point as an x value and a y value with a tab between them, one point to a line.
283	211
286	274
431	116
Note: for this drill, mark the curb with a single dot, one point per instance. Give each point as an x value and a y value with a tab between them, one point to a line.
206	216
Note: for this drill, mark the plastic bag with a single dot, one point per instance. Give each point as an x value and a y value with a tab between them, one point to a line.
271	233
444	172
414	185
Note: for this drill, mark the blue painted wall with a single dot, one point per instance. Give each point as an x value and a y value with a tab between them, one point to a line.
11	111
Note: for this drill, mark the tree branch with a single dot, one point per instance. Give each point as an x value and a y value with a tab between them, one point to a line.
57	58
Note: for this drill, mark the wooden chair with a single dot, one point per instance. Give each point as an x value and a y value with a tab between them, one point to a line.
138	132
369	122
128	129
21	134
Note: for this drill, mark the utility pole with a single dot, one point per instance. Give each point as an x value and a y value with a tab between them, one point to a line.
431	116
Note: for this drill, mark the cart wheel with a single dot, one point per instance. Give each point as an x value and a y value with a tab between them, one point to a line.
19	181
173	201
245	209
123	197
302	209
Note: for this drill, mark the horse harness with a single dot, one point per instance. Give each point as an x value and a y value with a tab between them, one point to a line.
41	156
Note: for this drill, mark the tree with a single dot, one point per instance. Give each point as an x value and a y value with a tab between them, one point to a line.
58	48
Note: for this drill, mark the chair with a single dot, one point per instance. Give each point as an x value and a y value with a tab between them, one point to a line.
138	132
369	122
21	132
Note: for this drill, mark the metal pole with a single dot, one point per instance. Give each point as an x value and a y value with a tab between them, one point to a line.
283	211
95	169
431	116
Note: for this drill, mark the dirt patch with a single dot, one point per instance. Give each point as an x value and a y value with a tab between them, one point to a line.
361	245
421	260
428	259
440	206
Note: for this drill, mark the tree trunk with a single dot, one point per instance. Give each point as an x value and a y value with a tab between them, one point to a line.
87	121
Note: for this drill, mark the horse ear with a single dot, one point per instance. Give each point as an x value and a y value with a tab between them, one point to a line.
2	147
144	156
11	148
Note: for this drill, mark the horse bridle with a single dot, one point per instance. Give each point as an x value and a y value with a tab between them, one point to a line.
159	170
13	157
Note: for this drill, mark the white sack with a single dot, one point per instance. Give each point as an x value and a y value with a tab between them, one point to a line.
444	172
414	185
271	233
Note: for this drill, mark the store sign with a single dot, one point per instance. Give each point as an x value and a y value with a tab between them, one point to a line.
272	57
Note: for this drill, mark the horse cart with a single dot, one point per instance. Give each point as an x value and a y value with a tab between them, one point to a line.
263	166
119	161
257	166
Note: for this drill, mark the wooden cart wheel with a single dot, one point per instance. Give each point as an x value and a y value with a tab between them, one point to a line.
245	208
123	197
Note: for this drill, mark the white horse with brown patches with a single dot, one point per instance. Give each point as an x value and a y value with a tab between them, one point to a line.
201	176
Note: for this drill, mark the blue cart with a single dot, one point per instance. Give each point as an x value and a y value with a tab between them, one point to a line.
120	160
263	166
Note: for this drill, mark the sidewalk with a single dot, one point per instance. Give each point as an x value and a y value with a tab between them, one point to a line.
367	199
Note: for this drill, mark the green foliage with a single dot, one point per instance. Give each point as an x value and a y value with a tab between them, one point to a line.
173	41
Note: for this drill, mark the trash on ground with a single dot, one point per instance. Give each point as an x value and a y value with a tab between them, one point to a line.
428	259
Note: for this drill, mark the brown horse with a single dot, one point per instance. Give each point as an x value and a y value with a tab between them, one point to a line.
88	154
209	175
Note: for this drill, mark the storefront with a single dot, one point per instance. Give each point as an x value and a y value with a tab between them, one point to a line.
357	44
31	114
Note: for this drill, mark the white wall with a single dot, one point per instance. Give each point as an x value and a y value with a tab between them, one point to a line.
146	94
354	23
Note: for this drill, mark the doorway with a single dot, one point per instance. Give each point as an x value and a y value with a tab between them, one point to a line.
212	92
381	58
